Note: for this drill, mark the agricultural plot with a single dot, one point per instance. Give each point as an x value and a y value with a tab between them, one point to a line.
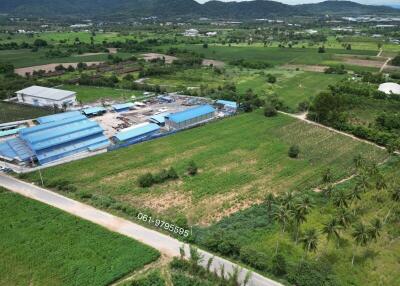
304	86
275	56
253	233
15	112
240	160
41	245
89	94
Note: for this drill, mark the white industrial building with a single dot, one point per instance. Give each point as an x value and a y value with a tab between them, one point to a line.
44	96
390	88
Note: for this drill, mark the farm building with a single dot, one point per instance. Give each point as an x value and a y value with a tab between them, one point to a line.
54	139
136	133
94	111
57	117
190	117
123	107
227	105
390	88
44	96
159	119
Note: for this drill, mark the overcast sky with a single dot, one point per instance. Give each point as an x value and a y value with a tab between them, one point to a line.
374	2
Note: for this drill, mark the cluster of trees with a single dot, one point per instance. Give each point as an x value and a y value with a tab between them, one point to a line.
336	70
149	179
250	64
332	107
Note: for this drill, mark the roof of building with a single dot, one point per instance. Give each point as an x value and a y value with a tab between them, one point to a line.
57	117
123	106
390	87
191	113
10	131
64	137
159	118
46	92
228	103
93	110
137	131
15	149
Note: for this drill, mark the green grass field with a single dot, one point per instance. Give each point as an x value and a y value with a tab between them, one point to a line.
275	56
241	159
41	245
89	94
304	86
15	112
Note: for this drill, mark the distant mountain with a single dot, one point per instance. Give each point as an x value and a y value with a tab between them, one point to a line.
182	8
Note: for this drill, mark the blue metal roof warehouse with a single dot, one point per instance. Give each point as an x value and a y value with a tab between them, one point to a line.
190	117
227	103
93	111
123	107
55	140
138	133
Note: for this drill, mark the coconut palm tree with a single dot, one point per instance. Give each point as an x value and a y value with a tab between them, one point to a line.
375	229
395	196
300	212
340	199
358	161
310	241
287	200
362	182
361	236
380	183
269	202
355	194
328	191
344	217
282	215
332	230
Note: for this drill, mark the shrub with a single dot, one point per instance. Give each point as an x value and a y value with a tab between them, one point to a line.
311	274
146	180
192	168
153	279
294	151
172	174
278	265
271	78
270	111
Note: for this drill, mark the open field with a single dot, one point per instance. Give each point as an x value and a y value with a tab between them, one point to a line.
275	56
43	246
253	232
15	112
26	58
241	159
90	94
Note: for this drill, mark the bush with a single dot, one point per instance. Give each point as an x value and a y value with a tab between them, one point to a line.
271	78
294	151
153	279
270	111
278	265
146	180
192	168
311	274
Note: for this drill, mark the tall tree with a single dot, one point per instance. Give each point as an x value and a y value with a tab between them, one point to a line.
375	229
300	212
340	199
282	215
395	196
361	236
310	241
332	229
344	217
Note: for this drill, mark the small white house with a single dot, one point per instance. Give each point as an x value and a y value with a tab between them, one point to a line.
44	96
191	33
390	88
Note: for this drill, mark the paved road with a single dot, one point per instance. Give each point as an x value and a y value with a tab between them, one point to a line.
163	243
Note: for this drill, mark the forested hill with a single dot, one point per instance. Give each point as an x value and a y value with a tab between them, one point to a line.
184	8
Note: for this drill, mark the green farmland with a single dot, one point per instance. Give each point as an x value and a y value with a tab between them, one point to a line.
89	94
240	160
41	245
15	112
275	56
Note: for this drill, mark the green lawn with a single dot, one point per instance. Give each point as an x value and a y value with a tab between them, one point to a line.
90	94
15	112
241	159
41	245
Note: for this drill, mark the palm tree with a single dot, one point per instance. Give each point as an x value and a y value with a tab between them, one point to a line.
332	230
328	191
395	196
362	182
380	183
287	200
361	236
282	215
310	241
355	194
269	202
375	229
358	161
301	210
340	199
344	217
